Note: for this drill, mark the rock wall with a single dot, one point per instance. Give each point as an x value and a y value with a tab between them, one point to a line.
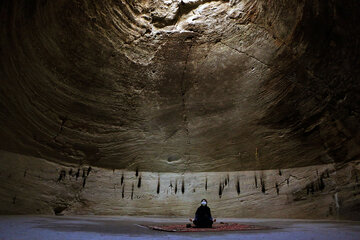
181	92
181	86
35	186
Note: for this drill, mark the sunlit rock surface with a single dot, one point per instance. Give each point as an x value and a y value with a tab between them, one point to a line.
179	89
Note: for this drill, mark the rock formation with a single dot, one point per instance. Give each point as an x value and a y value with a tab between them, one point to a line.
259	99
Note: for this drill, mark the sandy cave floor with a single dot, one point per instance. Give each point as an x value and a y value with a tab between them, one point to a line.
106	227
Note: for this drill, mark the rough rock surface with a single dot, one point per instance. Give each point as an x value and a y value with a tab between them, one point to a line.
179	87
34	186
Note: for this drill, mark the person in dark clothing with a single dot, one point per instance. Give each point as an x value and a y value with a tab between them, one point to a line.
203	218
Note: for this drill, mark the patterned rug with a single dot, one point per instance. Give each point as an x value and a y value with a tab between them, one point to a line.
216	228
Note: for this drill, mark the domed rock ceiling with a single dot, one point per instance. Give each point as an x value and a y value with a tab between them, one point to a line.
181	86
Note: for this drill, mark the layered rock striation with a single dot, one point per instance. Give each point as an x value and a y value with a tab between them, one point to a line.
35	186
180	87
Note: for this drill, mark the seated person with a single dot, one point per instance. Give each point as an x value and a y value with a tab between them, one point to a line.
203	217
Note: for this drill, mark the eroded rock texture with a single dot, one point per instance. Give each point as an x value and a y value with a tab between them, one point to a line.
35	186
179	87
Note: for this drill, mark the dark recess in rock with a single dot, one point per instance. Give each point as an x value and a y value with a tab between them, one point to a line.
262	182
220	189
183	186
256	185
176	186
59	209
158	186
132	191
206	184
238	185
173	158
139	182
123	191
62	175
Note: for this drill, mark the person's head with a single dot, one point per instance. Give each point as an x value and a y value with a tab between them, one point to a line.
203	202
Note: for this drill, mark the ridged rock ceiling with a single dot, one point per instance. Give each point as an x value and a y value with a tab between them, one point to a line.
181	86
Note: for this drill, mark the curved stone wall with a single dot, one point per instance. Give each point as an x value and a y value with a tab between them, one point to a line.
181	87
35	186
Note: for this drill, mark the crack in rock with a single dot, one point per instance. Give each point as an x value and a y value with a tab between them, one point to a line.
247	54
